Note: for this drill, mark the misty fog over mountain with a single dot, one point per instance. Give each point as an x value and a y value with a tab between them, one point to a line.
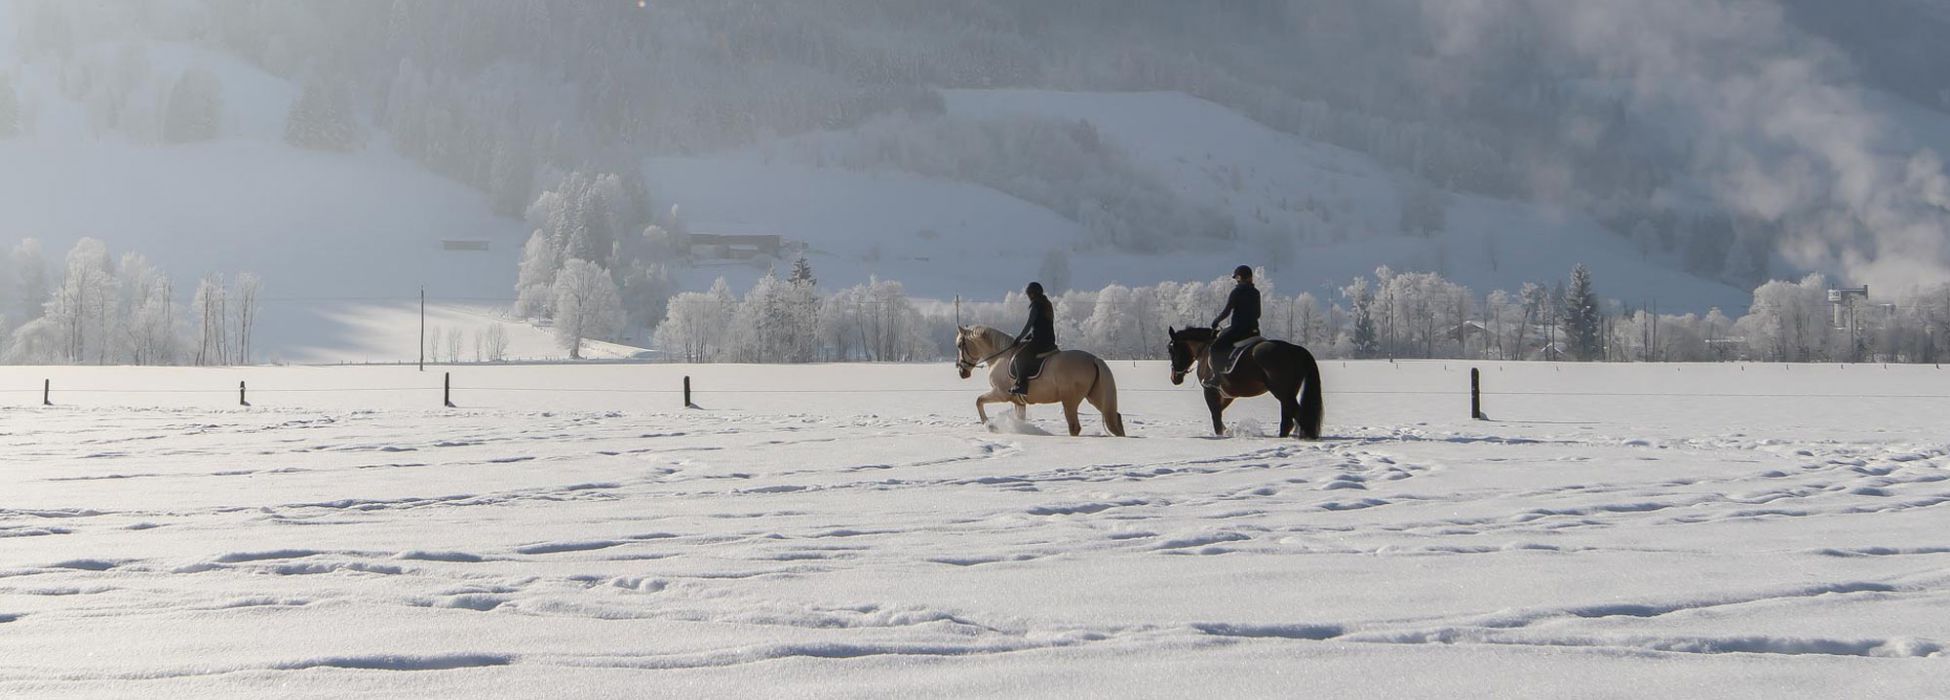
1688	151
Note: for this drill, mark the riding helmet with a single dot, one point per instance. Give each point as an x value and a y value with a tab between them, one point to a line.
1035	289
1242	272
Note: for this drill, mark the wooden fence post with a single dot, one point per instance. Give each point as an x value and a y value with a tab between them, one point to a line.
447	389
1476	395
240	394
47	387
687	392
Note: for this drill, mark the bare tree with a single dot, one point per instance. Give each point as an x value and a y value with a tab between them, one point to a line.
248	288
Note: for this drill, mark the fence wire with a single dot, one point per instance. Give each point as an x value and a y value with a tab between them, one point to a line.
702	390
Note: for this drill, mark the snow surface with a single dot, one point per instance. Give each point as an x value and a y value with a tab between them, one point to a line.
387	331
1645	530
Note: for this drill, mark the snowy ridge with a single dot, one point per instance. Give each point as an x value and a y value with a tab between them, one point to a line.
1341	208
852	529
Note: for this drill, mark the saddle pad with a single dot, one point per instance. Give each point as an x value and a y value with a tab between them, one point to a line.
1041	361
1239	351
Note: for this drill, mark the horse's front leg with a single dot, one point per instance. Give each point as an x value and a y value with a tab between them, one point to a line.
981	403
1217	404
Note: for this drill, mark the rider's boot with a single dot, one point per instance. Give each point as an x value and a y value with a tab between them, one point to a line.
1020	389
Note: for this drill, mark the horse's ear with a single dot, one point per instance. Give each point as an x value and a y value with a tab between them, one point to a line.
1172	330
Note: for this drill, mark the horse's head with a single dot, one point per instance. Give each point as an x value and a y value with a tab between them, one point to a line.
964	359
1185	347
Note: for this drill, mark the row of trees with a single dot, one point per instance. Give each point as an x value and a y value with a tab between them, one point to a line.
101	310
1385	315
490	343
787	320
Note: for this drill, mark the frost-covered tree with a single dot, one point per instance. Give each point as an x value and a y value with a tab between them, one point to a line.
1583	319
777	322
802	273
1791	322
323	118
1112	329
36	342
535	279
1311	327
211	307
587	306
145	314
697	322
455	339
1503	314
194	111
245	303
84	303
1539	316
494	343
1365	339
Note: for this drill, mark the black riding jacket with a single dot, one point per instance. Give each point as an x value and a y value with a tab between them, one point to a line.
1041	328
1242	306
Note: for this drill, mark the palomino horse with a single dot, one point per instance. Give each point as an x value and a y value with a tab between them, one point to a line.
1285	369
1069	377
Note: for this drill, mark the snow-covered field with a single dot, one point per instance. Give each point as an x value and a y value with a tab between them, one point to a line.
1638	530
388	331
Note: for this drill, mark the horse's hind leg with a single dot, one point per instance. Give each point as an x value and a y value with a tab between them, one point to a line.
1070	414
1289	414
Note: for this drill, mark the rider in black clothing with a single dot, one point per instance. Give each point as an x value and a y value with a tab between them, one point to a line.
1243	307
1038	336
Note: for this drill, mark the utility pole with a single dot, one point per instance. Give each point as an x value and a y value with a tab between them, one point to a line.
423	328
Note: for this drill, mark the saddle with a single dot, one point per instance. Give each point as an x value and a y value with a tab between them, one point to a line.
1042	359
1239	350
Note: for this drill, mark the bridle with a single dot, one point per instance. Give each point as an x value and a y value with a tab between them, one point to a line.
1178	375
961	355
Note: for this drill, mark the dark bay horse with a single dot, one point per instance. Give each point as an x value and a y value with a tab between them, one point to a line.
1286	370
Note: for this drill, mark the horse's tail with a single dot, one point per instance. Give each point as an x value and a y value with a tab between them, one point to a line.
1313	408
1103	395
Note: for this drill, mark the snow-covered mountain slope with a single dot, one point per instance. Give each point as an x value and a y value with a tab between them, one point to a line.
1341	208
312	224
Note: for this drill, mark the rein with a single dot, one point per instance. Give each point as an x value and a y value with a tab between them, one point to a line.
962	363
966	365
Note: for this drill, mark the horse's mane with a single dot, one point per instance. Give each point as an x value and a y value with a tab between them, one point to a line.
986	332
1198	334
